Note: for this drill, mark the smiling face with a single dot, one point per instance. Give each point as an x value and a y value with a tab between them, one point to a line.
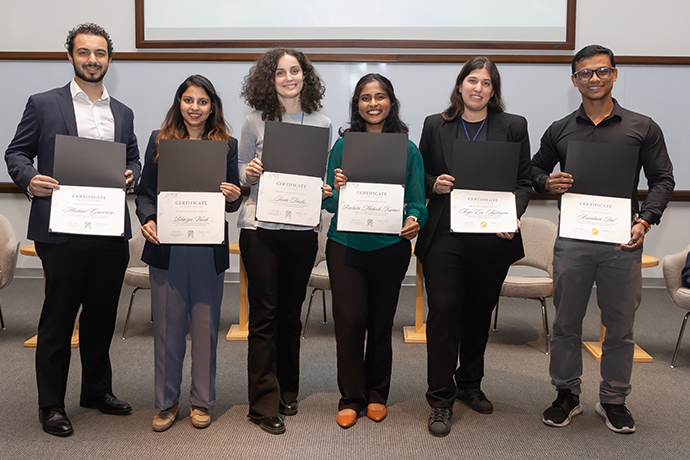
476	91
89	57
289	78
596	88
195	107
374	105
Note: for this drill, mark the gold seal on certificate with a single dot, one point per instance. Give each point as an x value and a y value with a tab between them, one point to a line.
191	217
289	199
88	211
595	218
474	211
371	208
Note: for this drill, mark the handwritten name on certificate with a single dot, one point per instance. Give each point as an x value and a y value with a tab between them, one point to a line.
289	199
88	211
474	211
191	217
371	208
595	218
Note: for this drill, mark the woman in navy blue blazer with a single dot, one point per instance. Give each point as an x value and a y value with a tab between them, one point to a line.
186	280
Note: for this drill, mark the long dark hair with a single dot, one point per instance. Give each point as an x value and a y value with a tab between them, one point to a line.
259	88
215	128
392	123
457	106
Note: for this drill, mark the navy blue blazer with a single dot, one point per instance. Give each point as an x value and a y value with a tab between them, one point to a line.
436	146
158	255
47	114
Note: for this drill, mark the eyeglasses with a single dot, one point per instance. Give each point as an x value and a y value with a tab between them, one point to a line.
586	74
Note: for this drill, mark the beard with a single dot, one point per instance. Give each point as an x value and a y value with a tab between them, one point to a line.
79	72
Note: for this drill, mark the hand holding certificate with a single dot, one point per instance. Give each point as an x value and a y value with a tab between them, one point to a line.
92	199
373	199
597	206
483	199
294	161
191	209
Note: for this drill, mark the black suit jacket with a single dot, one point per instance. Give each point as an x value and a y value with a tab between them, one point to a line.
158	255
436	145
46	115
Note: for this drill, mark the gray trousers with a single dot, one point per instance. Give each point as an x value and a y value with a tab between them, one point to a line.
618	274
186	297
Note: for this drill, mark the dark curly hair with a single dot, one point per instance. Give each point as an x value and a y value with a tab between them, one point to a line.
392	123
259	89
88	28
457	106
215	128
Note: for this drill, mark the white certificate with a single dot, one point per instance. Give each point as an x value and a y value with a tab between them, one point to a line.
289	199
595	218
191	217
88	211
371	208
474	211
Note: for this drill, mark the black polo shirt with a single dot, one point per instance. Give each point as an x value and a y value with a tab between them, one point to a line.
620	127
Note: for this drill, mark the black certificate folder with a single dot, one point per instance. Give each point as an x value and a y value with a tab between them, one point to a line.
377	158
89	162
191	166
602	169
295	149
489	166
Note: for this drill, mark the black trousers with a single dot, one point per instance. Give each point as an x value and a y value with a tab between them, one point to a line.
85	271
278	265
463	284
366	287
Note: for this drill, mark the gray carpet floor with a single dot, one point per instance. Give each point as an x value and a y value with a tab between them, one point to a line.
516	381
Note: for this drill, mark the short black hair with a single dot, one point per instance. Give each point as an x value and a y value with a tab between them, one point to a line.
591	51
88	28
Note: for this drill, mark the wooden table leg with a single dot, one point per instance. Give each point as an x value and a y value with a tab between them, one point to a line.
241	331
641	356
417	333
30	250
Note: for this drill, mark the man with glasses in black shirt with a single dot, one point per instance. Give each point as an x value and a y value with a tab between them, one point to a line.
616	268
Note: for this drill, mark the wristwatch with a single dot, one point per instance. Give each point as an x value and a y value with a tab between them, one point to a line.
640	220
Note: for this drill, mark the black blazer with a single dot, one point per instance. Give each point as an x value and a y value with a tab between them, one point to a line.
47	114
158	255
436	145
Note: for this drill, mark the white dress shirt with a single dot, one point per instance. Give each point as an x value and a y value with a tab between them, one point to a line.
94	119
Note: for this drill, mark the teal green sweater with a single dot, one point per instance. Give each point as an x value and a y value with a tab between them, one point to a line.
415	201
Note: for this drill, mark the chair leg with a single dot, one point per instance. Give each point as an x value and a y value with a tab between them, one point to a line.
323	298
545	319
680	339
2	321
129	313
496	316
306	320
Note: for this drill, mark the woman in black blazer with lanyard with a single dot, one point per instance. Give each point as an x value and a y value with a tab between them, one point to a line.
186	280
464	272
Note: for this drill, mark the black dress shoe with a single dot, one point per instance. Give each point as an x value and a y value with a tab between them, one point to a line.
288	409
273	425
108	404
55	421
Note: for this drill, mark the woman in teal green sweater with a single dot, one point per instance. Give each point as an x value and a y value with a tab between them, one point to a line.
367	269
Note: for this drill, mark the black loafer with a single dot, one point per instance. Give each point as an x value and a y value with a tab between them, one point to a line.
55	421
108	404
288	409
273	425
